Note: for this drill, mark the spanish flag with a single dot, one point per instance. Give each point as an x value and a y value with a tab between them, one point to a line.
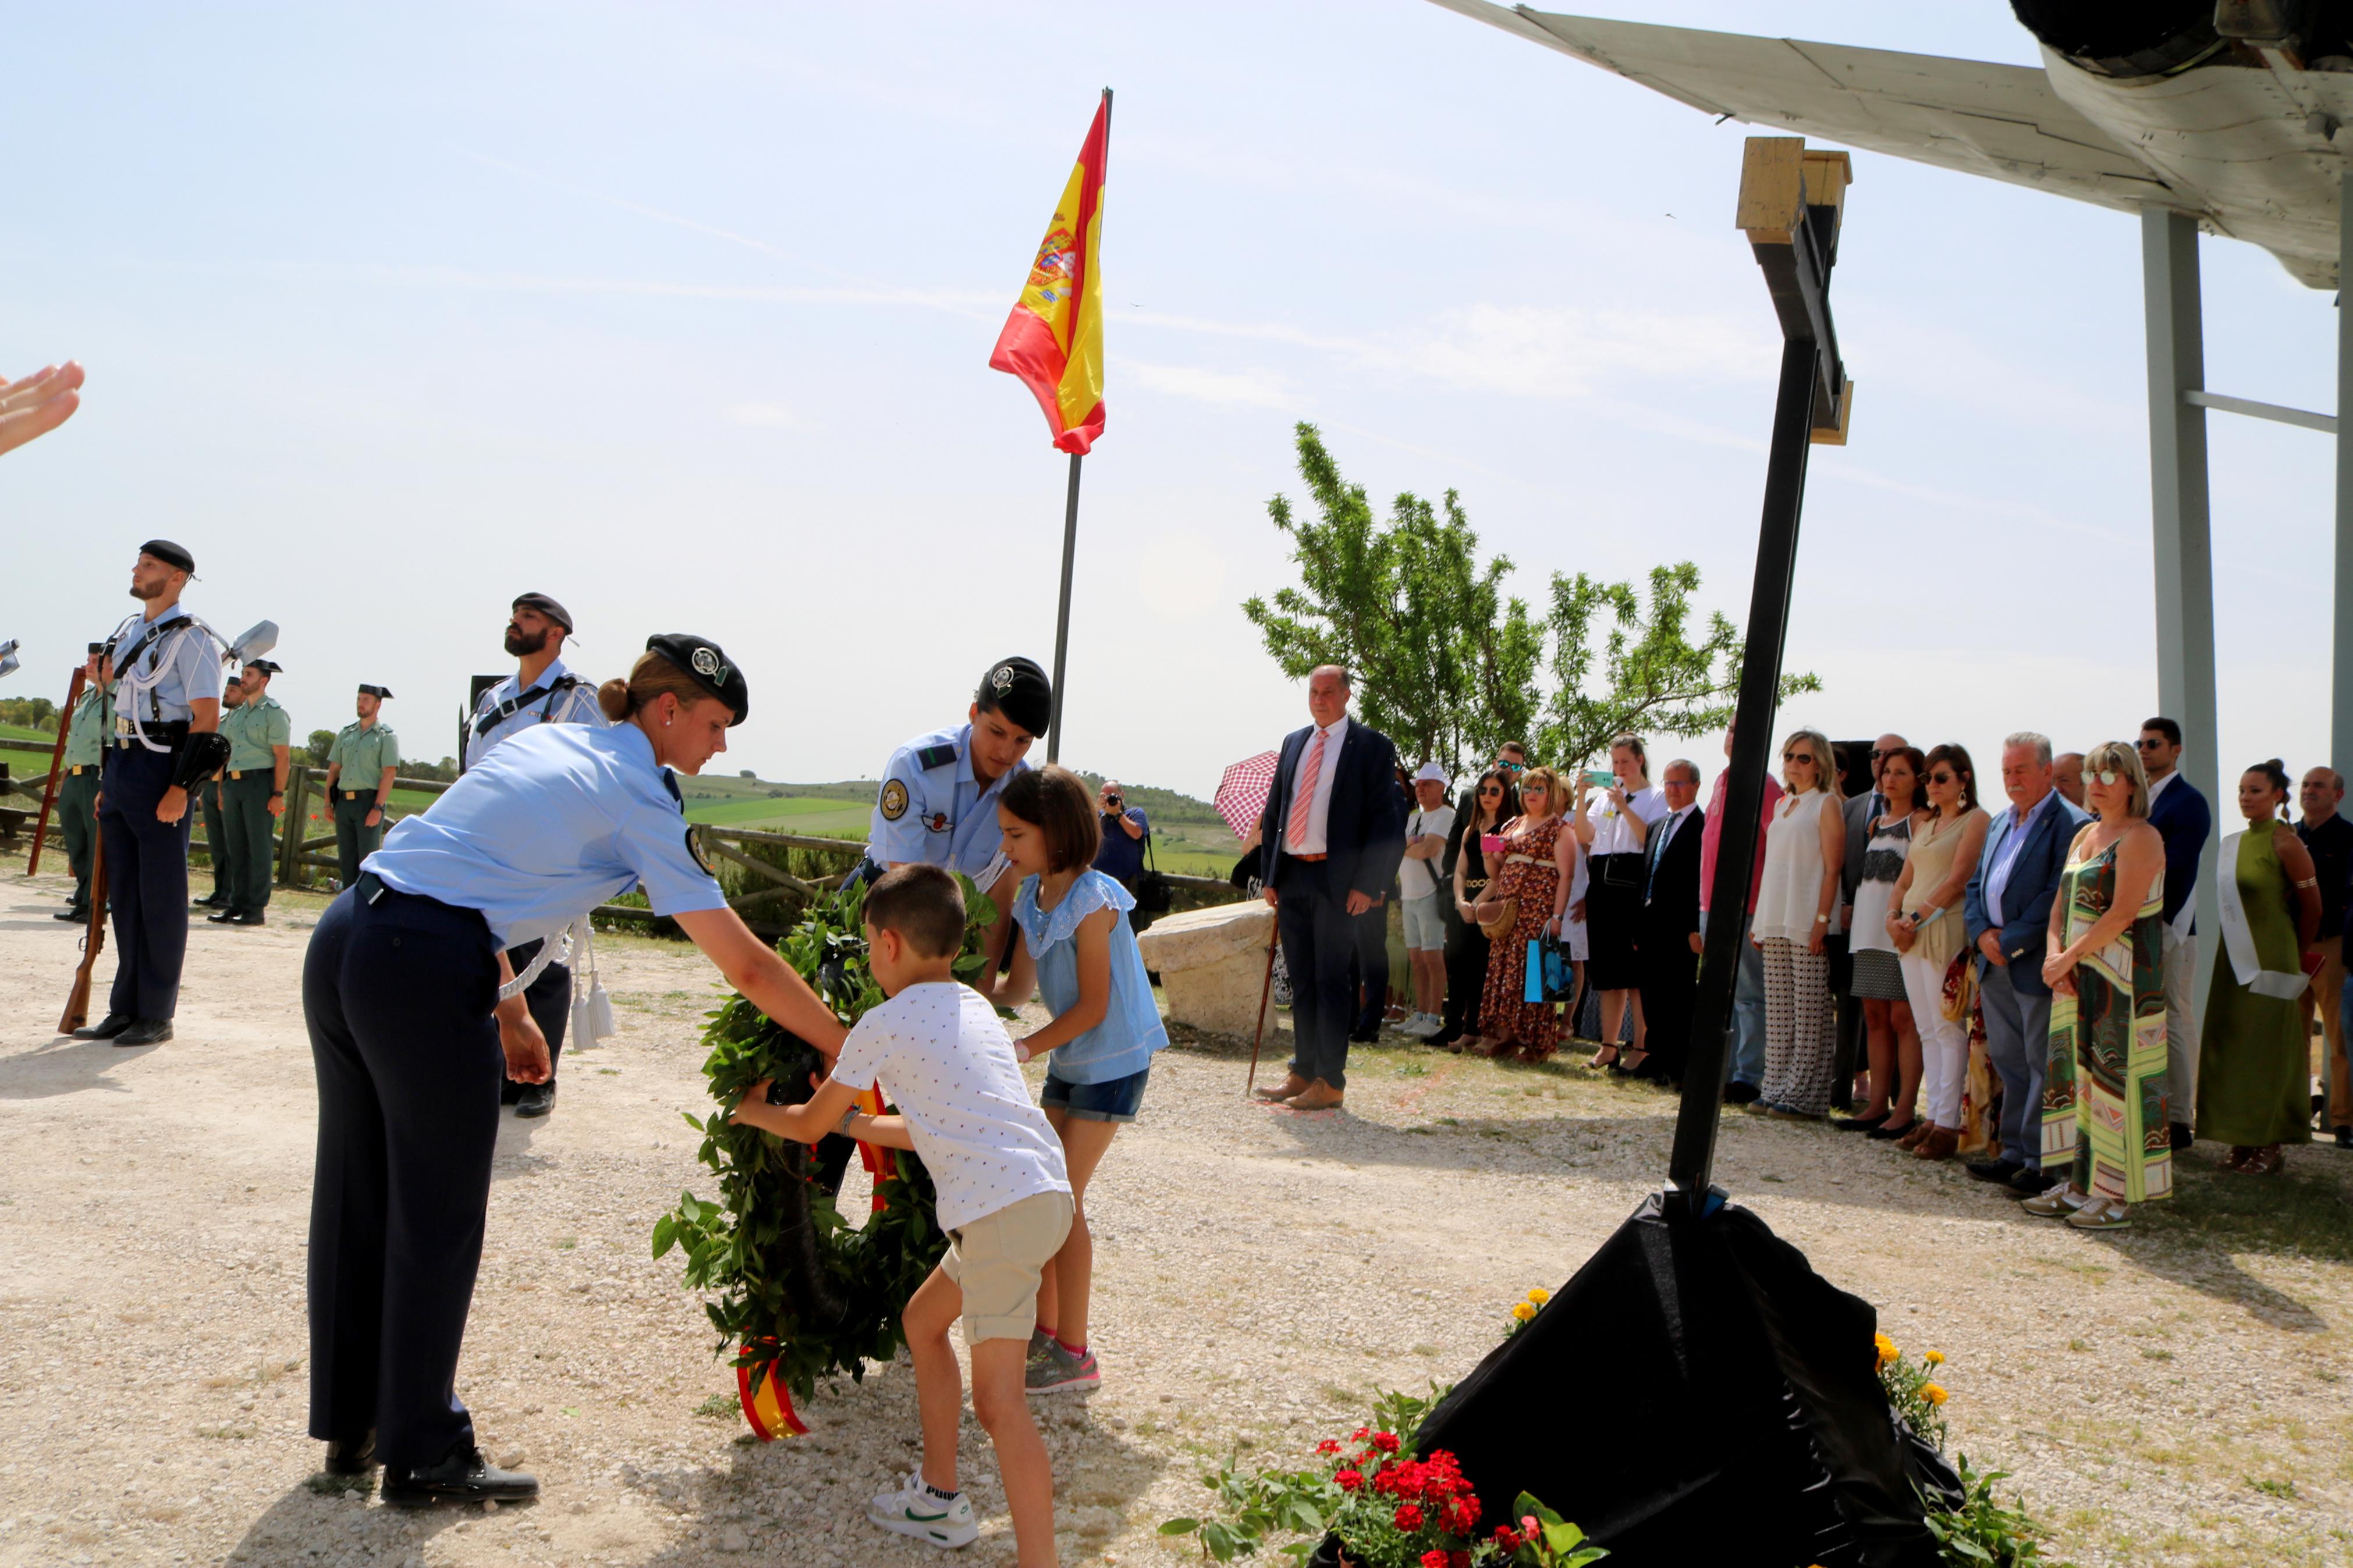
1053	339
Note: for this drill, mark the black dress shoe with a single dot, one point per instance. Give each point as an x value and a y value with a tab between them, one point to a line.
1739	1093
1859	1123
2345	1138
247	918
463	1477
106	1028
1885	1131
536	1099
2181	1139
146	1032
78	916
207	902
1996	1170
221	918
2029	1184
352	1456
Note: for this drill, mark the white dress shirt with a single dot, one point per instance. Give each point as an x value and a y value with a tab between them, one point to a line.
1620	833
1311	840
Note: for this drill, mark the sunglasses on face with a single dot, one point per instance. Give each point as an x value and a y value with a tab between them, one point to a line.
1797	757
1515	767
2146	744
1941	777
2105	776
1492	792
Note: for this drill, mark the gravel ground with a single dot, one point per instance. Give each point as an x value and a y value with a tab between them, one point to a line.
2172	1394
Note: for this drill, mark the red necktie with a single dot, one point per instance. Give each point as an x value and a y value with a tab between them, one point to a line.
1304	795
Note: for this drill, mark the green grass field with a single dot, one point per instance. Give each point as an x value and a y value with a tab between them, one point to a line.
25	732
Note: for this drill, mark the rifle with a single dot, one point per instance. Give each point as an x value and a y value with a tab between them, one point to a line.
57	766
77	1011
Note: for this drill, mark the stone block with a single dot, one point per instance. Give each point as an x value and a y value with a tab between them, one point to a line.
1212	965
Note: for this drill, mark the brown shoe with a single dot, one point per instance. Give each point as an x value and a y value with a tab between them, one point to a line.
1292	1084
1317	1096
1917	1134
1941	1143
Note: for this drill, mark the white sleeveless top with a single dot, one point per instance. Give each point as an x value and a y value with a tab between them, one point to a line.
1792	888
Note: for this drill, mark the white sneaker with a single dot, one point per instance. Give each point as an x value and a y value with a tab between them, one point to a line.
1421	1025
914	1511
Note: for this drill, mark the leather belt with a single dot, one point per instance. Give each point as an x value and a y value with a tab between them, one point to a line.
237	772
1290	855
352	794
77	769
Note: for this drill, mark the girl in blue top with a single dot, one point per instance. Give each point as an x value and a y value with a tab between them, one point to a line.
1078	947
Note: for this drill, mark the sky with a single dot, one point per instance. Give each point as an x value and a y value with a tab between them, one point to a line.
682	315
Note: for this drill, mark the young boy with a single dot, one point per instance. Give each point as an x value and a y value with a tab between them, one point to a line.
1004	1200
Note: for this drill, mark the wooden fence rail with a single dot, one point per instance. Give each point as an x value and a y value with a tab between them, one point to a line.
299	852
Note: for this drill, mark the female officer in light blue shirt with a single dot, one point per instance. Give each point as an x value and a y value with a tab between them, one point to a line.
407	993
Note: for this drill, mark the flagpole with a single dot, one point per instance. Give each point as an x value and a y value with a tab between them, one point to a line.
1062	616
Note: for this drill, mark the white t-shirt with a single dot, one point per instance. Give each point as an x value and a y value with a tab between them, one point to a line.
1614	832
948	1065
1419	878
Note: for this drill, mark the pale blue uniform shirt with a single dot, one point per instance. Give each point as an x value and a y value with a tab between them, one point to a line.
1122	1045
930	809
551	824
177	655
577	706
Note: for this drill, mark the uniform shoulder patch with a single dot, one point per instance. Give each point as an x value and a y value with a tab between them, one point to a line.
894	800
936	757
695	851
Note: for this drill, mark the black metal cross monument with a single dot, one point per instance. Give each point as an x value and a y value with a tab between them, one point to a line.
1790	203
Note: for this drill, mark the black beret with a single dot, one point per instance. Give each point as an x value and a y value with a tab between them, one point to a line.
707	664
266	668
380	693
1017	689
169	553
545	607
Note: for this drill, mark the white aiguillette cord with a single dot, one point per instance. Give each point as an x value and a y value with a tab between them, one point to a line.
548	954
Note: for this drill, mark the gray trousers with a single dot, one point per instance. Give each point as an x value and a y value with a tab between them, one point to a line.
2180	964
1746	1059
2018	1043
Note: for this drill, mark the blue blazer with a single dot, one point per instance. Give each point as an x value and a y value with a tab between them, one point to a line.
2182	819
1364	832
2026	897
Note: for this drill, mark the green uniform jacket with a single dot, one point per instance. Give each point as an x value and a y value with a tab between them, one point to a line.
85	742
363	754
255	729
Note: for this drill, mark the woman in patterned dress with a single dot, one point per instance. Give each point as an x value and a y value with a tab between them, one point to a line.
1535	868
2104	1084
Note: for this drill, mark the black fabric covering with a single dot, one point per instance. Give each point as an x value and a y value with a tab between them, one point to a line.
1698	1394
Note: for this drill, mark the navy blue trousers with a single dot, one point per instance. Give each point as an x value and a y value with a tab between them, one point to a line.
549	1001
1319	939
398	996
146	881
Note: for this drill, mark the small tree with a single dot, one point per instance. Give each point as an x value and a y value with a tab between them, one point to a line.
320	742
1659	682
1442	661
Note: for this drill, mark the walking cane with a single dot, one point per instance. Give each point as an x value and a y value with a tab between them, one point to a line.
57	766
1266	989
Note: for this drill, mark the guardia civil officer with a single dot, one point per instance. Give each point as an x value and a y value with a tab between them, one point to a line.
412	1018
208	797
541	691
78	791
163	669
359	767
253	796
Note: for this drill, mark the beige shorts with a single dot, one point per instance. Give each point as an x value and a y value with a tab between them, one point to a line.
996	1261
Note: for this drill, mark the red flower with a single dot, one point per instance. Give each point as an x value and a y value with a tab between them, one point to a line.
1349	1480
1407	1516
1458	1560
1386	1442
1360	1434
1461	1514
1528	1525
1433	1558
1507	1538
1328	1445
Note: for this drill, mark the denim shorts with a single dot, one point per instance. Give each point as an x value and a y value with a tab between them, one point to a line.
1425	923
1115	1099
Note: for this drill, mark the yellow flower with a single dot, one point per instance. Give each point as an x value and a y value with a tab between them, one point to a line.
1933	1394
1522	1310
1539	1295
1933	1358
1887	1351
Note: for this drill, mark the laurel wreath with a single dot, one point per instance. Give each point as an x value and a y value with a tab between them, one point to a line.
793	1291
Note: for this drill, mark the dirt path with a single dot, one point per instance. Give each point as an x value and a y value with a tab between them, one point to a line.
2173	1394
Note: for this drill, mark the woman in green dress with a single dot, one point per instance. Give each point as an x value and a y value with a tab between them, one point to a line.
2255	1061
2104	1084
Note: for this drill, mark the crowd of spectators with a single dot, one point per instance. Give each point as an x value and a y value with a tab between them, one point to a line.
2009	983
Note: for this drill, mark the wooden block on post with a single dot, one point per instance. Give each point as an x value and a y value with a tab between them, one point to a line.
1772	188
1835	434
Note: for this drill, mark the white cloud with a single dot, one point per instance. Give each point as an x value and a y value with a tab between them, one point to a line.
1242	388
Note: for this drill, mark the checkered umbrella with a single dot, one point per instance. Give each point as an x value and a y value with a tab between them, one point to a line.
1241	794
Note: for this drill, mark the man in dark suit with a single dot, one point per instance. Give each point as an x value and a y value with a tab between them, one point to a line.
2182	819
1332	837
1667	944
2008	911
